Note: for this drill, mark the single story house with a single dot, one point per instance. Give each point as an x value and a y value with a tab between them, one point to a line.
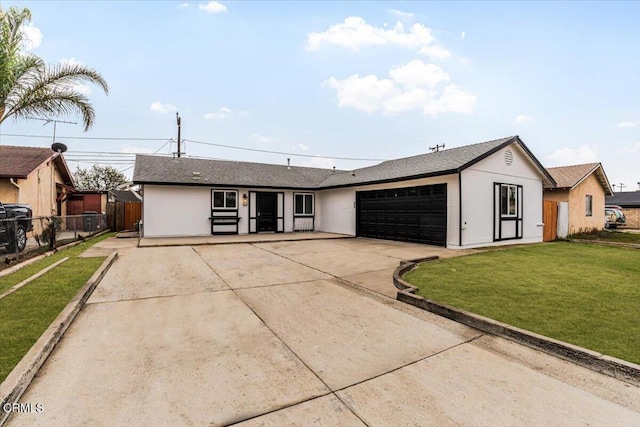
35	176
629	201
477	195
584	188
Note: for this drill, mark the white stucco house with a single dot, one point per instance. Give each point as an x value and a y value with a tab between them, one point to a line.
477	195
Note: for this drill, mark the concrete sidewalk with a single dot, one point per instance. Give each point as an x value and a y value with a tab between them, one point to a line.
270	334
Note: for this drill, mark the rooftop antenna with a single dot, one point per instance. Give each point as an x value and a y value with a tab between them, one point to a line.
55	122
437	147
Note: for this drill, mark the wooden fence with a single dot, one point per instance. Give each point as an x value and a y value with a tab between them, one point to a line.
550	219
123	216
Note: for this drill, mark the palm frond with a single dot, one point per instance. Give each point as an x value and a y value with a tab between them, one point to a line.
55	102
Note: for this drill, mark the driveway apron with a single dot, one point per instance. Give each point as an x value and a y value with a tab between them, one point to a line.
280	334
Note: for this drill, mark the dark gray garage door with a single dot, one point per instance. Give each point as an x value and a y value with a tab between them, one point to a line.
415	214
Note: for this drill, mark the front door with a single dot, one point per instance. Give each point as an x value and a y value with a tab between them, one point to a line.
267	212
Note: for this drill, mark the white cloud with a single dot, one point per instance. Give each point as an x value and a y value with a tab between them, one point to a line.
418	74
522	118
463	35
213	7
402	15
136	150
573	156
412	86
261	139
183	5
33	36
628	124
302	147
161	108
223	113
354	33
633	149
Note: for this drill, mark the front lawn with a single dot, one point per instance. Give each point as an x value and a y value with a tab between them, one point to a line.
587	295
28	312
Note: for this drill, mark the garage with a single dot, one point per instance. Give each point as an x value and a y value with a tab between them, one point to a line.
413	214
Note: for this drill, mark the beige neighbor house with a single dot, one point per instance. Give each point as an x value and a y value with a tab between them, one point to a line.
35	176
584	188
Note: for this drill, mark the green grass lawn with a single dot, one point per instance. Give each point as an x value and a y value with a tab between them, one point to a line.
28	312
588	295
609	236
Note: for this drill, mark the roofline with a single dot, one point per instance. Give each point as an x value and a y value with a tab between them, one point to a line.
212	185
494	150
318	188
608	191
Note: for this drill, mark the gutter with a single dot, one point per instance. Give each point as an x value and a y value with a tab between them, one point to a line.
12	181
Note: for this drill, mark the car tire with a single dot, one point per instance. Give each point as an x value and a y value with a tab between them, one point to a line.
19	240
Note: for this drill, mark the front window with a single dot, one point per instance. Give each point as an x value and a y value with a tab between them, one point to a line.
225	199
589	205
303	204
508	200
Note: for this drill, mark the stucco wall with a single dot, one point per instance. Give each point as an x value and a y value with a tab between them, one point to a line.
633	217
556	195
8	191
478	197
578	220
185	211
338	212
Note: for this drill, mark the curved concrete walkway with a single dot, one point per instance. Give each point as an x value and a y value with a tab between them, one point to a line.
280	334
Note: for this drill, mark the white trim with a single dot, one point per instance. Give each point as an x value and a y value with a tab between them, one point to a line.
304	204
224	192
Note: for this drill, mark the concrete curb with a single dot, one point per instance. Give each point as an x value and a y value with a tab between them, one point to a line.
248	241
46	254
611	366
33	277
21	376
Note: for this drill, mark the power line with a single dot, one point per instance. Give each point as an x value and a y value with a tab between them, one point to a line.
281	152
106	138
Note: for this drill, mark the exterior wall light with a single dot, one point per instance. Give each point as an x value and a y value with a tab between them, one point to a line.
244	199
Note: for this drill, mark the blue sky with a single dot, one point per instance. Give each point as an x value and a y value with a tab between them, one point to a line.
374	80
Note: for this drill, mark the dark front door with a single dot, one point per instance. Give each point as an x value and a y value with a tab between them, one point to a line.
266	211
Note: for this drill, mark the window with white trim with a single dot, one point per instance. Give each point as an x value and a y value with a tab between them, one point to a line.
588	205
224	199
303	204
508	201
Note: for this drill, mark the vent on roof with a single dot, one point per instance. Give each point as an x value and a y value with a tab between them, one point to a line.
196	175
508	157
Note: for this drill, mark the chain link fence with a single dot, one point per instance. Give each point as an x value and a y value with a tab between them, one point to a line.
19	237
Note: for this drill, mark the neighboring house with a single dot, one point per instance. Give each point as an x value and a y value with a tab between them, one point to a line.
36	176
584	188
477	195
124	196
629	201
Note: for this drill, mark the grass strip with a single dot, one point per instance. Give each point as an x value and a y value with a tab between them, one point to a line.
587	295
28	312
13	279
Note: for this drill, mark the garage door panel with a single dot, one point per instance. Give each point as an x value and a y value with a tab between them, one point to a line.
416	214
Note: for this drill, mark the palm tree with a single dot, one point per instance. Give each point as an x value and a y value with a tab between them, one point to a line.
28	87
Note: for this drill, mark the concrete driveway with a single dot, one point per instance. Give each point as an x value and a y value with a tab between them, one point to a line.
280	333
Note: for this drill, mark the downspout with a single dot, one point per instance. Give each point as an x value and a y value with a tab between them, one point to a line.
13	181
460	208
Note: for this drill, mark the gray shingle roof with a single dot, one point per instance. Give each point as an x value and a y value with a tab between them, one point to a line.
157	169
164	170
626	199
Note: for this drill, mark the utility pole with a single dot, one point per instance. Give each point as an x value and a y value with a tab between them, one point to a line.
437	147
622	186
178	121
